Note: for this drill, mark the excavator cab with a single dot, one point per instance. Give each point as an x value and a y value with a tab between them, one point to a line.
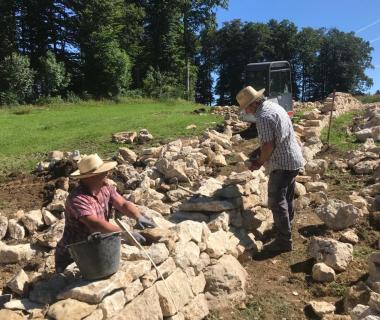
276	78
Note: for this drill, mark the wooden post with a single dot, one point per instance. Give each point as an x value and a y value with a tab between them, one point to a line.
330	120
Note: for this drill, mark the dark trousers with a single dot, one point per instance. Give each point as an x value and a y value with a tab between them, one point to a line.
280	201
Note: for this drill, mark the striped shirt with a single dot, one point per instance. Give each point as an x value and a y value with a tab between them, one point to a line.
81	203
274	125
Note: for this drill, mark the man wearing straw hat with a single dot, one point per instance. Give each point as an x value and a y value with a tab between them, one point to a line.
88	207
281	153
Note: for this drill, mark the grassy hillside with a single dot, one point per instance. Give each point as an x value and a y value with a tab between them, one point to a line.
28	133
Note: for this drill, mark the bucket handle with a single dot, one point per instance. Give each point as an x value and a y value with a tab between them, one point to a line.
96	236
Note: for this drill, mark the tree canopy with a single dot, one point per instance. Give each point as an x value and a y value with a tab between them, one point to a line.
163	49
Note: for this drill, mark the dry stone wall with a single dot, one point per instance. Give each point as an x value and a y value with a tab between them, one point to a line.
202	232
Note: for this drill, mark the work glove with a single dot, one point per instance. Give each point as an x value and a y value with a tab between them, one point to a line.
144	222
138	237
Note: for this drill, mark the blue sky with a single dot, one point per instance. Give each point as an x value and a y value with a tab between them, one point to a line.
362	17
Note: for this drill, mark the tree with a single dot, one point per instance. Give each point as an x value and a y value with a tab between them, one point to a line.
206	64
8	42
52	78
16	79
105	66
308	44
342	63
196	15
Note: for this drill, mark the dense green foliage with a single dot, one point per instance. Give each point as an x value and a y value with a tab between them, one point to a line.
163	48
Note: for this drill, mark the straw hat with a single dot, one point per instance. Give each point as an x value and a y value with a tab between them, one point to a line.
246	96
92	165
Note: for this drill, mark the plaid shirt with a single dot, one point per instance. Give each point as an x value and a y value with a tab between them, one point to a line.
82	203
274	125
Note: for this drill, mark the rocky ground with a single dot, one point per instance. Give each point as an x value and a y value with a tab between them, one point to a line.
213	222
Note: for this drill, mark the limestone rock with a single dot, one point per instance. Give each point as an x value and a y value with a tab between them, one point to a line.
112	304
189	230
197	309
374	266
50	237
180	288
45	291
197	283
360	312
316	166
374	301
323	273
19	282
23	304
33	220
144	136
132	290
299	189
124	137
94	292
144	307
172	169
15	230
186	254
10	315
322	308
216	244
365	167
357	294
157	251
96	315
207	205
3	226
338	215
219	221
70	309
15	253
48	217
316	186
363	135
226	278
335	254
59	199
349	236
128	155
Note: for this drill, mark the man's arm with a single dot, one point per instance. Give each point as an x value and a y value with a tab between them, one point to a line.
126	207
266	152
94	224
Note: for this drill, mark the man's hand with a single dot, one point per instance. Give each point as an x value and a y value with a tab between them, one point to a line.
255	165
144	222
138	237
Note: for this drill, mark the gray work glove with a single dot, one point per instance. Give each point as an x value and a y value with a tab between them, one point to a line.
139	238
144	222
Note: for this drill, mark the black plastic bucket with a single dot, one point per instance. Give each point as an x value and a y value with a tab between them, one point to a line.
99	256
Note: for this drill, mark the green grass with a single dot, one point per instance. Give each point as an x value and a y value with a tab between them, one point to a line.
29	133
362	252
339	135
369	99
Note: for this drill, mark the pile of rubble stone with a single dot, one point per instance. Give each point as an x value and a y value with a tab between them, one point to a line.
200	236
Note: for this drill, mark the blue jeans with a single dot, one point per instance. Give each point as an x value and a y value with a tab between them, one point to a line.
280	201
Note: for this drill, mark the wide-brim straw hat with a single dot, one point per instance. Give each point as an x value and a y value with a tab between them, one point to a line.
92	165
248	95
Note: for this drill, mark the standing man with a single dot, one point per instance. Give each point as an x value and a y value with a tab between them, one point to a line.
88	207
280	151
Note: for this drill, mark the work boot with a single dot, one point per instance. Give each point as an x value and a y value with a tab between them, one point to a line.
278	245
